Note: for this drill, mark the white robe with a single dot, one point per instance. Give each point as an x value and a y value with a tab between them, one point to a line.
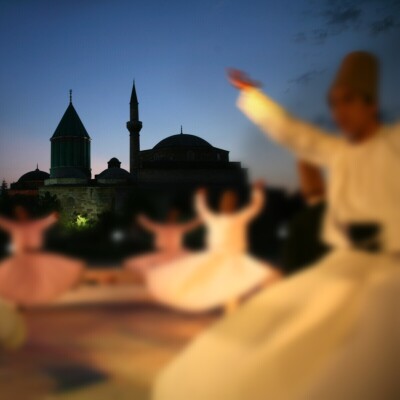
29	276
332	331
222	273
363	185
169	243
325	334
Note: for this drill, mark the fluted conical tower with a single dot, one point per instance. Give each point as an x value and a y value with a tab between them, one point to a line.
70	147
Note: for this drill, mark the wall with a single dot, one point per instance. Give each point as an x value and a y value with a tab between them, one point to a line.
83	200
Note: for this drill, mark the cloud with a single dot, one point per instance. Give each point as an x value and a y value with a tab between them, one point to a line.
333	17
319	36
342	16
314	36
383	25
307	77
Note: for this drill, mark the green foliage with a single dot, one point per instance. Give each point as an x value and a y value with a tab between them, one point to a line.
77	222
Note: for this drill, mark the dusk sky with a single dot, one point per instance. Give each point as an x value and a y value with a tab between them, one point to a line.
177	52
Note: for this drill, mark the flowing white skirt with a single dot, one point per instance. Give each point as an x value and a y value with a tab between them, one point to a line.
140	265
206	280
37	278
331	332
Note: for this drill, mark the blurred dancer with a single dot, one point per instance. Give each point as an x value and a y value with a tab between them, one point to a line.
29	276
168	237
12	327
332	331
224	273
304	245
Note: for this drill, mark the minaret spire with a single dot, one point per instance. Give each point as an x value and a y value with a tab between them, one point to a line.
134	99
70	96
134	104
134	126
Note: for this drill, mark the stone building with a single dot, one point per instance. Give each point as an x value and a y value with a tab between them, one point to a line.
188	160
179	163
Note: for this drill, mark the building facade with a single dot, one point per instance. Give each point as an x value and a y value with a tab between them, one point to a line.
181	162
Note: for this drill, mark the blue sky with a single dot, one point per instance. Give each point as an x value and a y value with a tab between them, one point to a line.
177	52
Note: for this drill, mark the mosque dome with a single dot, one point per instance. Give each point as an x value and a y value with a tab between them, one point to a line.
114	163
32	180
114	174
34	176
181	141
183	151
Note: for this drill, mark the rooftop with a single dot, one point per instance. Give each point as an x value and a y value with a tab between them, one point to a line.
70	125
34	176
182	140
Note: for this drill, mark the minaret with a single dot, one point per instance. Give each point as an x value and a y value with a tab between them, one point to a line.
134	127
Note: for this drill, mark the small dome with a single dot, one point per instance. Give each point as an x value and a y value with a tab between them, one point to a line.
34	176
114	173
182	140
114	163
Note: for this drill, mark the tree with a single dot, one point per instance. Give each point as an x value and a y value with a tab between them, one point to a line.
4	187
4	198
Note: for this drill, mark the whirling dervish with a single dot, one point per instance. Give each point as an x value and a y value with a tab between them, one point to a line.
222	274
332	331
30	276
169	243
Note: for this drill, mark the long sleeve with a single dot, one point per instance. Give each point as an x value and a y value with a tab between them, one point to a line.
305	140
201	206
190	226
147	224
48	221
256	204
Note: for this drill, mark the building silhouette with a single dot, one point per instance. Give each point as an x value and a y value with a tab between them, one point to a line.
134	126
179	163
29	183
70	150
